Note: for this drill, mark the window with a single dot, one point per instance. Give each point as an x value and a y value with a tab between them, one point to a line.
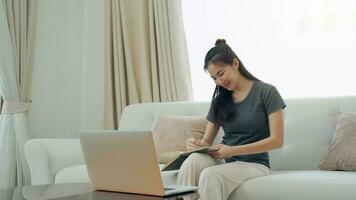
304	48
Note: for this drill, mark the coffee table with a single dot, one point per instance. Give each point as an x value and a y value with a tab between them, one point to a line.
78	191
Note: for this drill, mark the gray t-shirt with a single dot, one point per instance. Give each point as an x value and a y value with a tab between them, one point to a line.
250	121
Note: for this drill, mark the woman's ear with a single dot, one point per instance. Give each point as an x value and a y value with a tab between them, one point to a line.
236	64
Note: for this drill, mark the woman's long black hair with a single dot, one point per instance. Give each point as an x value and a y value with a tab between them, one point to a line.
222	101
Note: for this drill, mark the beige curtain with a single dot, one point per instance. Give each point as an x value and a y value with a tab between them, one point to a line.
21	17
17	30
146	55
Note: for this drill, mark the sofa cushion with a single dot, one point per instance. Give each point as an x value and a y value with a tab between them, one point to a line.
73	174
169	177
171	132
296	185
342	151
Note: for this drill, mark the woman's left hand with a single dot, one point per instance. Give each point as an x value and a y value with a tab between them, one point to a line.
224	151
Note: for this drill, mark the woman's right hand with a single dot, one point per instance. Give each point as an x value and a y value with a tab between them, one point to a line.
193	143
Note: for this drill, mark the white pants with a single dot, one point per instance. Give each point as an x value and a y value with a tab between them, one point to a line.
216	179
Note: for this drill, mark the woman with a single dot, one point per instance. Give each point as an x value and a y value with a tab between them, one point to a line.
250	112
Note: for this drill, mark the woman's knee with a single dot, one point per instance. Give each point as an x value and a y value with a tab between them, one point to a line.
209	175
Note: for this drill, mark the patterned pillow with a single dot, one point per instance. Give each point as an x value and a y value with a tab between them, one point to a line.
171	132
342	151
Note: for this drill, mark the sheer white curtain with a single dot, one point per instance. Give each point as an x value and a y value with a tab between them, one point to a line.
16	39
13	126
305	48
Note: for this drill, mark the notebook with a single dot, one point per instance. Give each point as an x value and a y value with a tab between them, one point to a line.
178	160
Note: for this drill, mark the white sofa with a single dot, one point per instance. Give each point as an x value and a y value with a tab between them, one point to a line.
308	133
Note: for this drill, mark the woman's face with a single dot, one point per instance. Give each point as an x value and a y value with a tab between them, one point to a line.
224	75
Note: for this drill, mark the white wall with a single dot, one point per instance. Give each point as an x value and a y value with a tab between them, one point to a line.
68	75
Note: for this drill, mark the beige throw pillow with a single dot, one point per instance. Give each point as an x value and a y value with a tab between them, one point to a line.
342	151
171	132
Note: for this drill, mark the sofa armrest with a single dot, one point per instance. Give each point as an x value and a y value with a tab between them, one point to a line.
48	156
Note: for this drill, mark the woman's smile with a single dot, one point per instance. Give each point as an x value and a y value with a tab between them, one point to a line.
226	84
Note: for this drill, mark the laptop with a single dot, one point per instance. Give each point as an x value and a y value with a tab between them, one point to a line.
123	161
